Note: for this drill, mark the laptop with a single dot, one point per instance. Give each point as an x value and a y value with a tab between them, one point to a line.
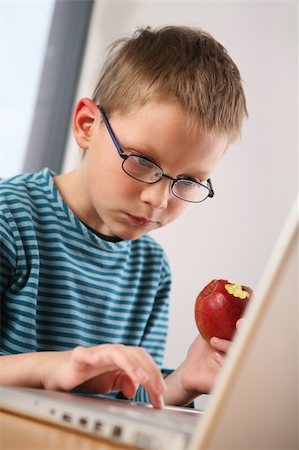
254	404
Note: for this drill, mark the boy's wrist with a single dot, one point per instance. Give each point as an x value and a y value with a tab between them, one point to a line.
176	394
23	369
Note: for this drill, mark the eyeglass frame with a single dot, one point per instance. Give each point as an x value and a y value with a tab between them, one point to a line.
122	154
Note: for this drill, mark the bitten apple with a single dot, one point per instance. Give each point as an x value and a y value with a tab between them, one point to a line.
218	307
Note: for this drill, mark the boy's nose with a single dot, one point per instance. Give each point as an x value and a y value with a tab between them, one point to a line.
157	194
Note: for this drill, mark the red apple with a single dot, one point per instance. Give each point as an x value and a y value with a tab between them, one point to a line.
218	307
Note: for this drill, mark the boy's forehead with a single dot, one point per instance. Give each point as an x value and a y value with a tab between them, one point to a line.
165	116
165	111
159	112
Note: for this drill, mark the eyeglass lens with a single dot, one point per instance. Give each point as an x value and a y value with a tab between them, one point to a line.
146	171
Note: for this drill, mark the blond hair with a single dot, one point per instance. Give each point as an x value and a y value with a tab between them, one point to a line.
177	63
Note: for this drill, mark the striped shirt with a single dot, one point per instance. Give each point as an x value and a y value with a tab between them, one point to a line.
62	285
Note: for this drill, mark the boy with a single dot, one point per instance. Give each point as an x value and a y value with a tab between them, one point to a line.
84	290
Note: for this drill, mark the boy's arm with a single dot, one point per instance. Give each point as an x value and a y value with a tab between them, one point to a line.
22	369
103	368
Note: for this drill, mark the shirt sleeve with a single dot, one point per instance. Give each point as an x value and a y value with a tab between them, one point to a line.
156	329
8	255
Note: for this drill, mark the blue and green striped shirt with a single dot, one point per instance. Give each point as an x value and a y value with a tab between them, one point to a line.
62	285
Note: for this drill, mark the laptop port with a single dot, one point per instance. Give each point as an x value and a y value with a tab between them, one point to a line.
83	421
66	417
116	431
98	425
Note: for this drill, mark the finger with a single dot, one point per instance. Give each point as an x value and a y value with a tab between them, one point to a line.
218	358
156	389
125	358
154	384
157	401
135	362
240	323
126	385
222	345
142	369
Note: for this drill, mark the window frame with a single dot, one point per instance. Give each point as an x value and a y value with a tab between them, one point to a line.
56	92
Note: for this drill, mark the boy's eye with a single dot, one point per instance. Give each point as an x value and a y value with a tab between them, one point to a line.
144	162
187	183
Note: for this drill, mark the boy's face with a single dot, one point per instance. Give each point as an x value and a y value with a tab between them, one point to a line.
108	199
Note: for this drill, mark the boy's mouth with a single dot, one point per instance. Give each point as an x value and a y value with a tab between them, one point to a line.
141	221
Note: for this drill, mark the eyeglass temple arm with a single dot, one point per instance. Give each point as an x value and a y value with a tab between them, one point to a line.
108	126
211	190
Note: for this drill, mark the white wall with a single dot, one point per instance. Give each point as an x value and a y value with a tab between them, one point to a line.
230	236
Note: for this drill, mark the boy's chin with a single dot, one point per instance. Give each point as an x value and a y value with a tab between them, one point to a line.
129	234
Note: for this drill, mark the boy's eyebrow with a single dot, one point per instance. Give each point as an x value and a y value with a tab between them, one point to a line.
140	147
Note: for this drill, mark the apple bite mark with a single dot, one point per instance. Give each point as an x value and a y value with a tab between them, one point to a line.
237	291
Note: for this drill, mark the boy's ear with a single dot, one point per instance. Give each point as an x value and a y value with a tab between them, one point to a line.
83	120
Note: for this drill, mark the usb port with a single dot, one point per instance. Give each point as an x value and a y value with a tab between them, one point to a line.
83	421
116	431
98	425
66	417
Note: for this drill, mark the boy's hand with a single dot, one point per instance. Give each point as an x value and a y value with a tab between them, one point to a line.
199	371
102	369
202	365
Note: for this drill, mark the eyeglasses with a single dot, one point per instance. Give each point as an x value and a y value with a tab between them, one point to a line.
143	169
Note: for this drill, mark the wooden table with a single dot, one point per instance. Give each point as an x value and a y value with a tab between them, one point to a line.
20	433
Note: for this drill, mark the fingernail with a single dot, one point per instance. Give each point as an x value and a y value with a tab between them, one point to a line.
160	404
215	341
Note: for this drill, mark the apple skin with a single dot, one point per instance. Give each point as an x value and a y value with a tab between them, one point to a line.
217	311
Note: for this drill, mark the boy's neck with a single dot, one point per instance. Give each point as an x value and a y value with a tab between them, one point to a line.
71	188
